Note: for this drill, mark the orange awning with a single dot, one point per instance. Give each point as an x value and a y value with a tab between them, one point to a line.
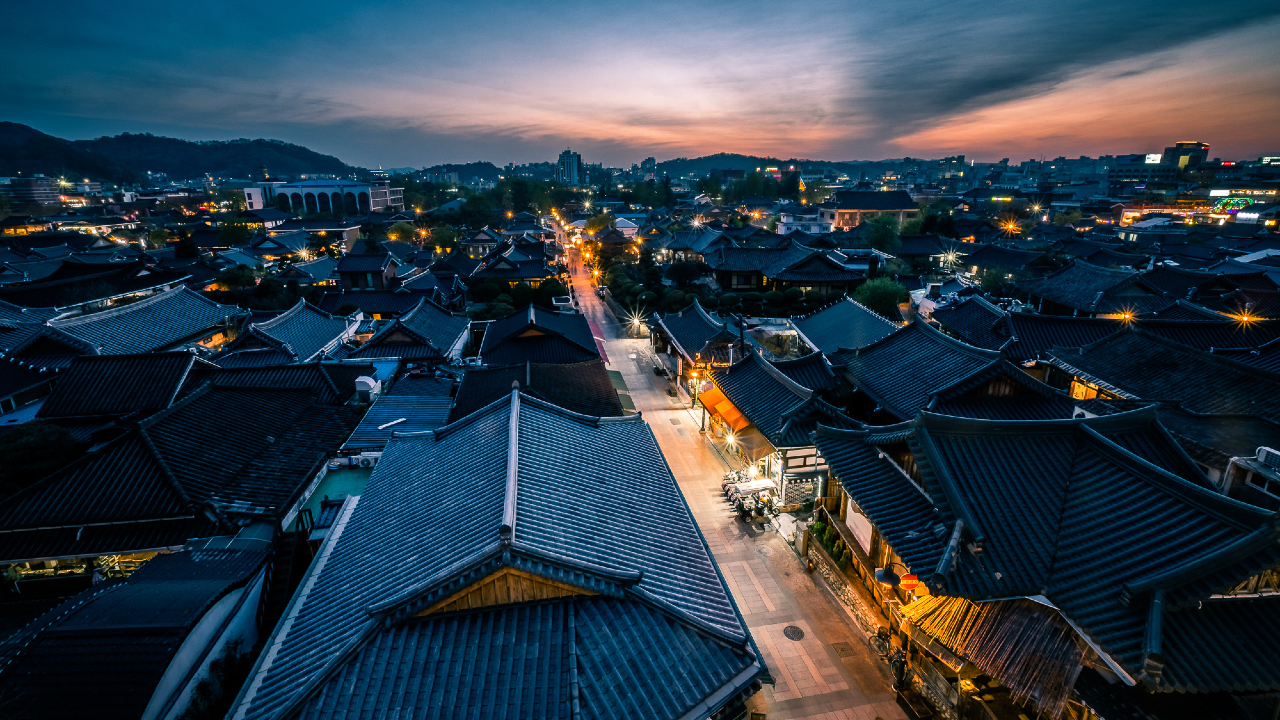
716	403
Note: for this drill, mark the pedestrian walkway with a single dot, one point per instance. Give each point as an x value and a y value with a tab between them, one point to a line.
796	622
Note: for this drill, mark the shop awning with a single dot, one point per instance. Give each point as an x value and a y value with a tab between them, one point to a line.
717	404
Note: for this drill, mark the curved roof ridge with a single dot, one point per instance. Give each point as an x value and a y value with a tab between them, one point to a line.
134	306
960	345
781	377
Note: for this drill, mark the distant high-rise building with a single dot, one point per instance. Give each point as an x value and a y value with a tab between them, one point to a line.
649	165
1186	154
569	170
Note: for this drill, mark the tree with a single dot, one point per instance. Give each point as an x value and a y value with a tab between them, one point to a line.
33	450
882	295
240	276
232	233
157	238
684	273
403	231
1066	218
883	233
186	248
597	223
548	289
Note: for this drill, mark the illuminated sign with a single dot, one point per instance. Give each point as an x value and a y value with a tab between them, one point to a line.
1153	159
1219	193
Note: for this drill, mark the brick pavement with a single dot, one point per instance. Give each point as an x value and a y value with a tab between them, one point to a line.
764	574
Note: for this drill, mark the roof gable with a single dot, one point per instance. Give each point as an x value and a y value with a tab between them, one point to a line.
842	324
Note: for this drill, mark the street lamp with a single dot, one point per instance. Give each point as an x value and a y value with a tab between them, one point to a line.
887	577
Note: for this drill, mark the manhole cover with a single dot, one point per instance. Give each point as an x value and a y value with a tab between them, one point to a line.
765	550
793	633
674	421
843	649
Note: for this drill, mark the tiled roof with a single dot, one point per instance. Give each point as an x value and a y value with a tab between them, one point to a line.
1034	334
76	283
1222	335
995	256
329	383
1001	391
811	371
427	331
270	443
843	324
693	329
1035	497
10	314
150	324
117	385
976	321
1147	366
902	371
373	302
579	387
319	269
1093	289
365	262
783	411
446	509
117	671
397	413
304	332
538	335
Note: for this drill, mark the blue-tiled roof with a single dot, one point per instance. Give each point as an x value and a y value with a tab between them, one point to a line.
844	324
538	335
427	331
156	322
699	336
902	371
447	508
398	413
1037	500
304	332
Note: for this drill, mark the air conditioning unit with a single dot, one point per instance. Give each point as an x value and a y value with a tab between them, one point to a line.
1269	457
366	459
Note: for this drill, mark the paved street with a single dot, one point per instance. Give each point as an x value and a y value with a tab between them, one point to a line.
828	673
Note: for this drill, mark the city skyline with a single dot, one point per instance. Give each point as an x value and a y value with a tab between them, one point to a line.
416	86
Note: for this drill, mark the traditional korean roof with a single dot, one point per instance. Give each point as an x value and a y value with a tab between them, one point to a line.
304	333
582	387
538	335
153	323
75	284
366	262
397	413
164	474
930	245
1032	538
320	269
1001	391
481	500
118	385
996	256
330	383
373	302
811	371
1225	334
902	371
1035	334
1089	288
842	324
783	411
426	331
976	321
698	336
115	641
1139	364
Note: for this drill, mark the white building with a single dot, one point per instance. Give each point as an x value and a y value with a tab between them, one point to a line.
330	197
805	221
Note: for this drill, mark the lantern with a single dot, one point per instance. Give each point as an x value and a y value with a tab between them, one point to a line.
909	582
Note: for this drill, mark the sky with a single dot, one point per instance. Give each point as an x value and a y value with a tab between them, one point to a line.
419	83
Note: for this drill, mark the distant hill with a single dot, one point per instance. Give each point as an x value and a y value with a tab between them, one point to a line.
734	161
27	151
127	158
185	159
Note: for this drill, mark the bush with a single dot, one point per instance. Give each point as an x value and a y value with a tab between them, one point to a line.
793	294
522	295
648	297
818	528
710	303
485	292
834	295
346	309
774	298
814	296
752	298
846	559
728	301
498	310
830	536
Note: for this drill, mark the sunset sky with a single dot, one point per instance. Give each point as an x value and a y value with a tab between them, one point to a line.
419	83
